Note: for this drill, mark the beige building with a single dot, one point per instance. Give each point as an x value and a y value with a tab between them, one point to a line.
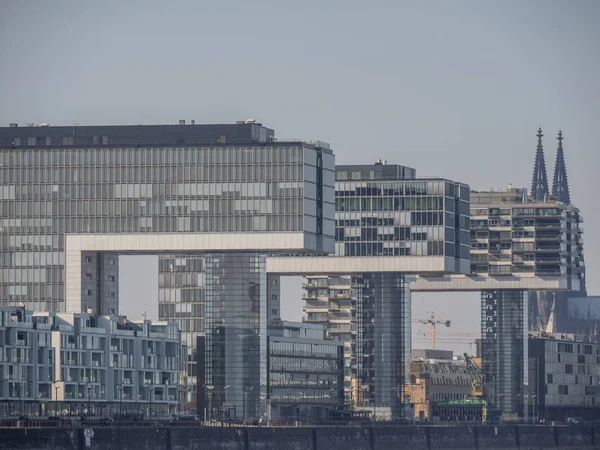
439	385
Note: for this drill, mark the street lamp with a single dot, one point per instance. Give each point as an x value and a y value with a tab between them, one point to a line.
247	401
20	385
89	389
54	383
151	394
120	389
208	393
332	403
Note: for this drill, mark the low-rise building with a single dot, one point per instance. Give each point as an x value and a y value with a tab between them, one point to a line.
306	372
441	387
55	363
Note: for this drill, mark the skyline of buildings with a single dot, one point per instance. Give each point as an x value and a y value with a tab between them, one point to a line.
265	205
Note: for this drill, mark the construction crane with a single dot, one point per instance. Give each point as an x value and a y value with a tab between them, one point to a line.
432	322
479	391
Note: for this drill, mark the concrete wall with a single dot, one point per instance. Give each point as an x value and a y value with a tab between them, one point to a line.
580	437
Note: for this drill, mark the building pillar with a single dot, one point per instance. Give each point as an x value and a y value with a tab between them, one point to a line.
383	342
504	350
236	332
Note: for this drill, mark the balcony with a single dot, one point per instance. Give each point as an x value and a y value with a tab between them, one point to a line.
548	272
548	248
548	236
547	260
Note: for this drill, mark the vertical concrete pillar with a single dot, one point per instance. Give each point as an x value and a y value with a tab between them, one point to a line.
504	350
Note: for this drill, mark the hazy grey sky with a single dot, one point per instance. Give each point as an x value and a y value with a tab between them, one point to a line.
453	88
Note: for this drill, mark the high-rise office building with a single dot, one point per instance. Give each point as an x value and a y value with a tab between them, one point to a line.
384	210
73	198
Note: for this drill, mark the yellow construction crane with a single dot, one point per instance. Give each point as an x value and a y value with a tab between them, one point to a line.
478	385
432	322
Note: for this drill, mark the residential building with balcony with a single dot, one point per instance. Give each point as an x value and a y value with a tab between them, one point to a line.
87	364
510	234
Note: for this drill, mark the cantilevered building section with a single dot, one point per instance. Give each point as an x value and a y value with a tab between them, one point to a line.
72	199
384	211
539	182
510	236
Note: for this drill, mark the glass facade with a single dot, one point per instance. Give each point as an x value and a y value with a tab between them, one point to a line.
383	210
236	333
383	343
105	183
402	218
504	349
305	372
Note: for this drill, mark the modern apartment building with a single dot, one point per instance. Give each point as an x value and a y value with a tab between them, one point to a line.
331	303
305	374
512	235
60	363
384	210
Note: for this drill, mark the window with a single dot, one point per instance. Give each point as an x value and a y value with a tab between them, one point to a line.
111	262
550	378
89	292
274	312
88	276
88	259
568	368
274	297
111	295
111	278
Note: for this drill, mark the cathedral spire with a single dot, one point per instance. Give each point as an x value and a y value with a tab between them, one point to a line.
560	185
539	183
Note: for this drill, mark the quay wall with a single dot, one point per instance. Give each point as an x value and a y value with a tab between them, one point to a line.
381	437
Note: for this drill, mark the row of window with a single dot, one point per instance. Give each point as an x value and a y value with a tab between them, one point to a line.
117	156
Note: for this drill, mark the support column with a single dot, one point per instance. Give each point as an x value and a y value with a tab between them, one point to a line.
504	350
383	343
236	332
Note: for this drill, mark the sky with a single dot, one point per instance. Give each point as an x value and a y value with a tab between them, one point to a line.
455	89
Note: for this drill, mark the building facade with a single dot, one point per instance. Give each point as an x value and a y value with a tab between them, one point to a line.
564	375
73	198
384	210
441	387
306	372
512	235
143	180
60	363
